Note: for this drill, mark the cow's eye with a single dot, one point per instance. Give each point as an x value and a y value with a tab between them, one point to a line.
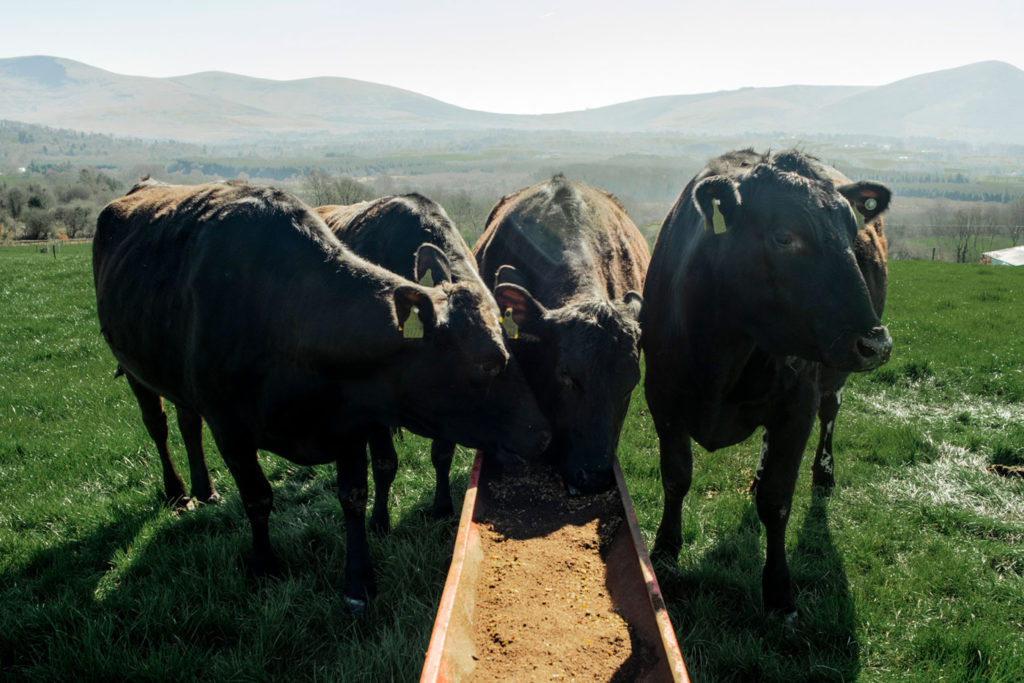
566	379
784	239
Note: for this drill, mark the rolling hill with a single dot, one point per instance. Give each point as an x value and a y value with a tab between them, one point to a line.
977	103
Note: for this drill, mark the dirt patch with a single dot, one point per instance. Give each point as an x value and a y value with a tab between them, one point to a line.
544	611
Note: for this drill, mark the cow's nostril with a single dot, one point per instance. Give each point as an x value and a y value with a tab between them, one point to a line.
543	441
494	366
491	368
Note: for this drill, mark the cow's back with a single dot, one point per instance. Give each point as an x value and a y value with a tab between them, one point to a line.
181	270
389	230
565	239
337	216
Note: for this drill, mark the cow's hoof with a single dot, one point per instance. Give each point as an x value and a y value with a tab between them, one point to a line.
823	482
665	552
821	490
262	568
379	526
213	499
356	606
178	502
443	510
790	621
358	591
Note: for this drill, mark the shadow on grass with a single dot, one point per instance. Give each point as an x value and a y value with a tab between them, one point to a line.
725	635
154	596
53	594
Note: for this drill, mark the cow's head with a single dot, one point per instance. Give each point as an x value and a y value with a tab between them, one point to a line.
457	377
582	362
781	243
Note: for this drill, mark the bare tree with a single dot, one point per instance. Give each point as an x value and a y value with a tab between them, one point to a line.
349	191
317	187
469	213
960	225
15	201
966	229
77	220
322	188
39	224
1014	226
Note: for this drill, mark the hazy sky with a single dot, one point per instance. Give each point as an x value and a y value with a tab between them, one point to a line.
523	56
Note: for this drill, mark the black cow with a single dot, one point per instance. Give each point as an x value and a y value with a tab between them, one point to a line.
567	262
388	231
754	293
237	303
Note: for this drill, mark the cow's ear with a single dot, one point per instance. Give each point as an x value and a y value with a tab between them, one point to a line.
516	301
431	260
414	311
718	199
868	198
635	305
509	275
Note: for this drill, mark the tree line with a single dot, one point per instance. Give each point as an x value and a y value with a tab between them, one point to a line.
955	231
56	204
59	200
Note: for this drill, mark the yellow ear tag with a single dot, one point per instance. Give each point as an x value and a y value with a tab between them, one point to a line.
428	279
507	322
718	219
413	327
860	217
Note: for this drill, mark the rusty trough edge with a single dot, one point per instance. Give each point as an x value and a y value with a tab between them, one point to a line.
668	633
436	667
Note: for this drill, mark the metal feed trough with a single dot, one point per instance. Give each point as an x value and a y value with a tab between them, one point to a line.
632	586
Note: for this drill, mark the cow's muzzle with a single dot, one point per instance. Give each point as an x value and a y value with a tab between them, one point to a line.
529	450
873	349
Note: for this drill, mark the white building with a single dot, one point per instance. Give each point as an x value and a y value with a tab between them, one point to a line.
1014	256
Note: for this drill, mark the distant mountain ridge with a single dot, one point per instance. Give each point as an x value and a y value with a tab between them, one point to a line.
979	103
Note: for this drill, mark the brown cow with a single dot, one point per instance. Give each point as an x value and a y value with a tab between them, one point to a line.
567	262
237	303
388	231
754	295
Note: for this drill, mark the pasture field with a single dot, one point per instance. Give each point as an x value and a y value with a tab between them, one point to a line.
913	569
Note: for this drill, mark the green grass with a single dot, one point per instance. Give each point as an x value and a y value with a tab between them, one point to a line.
912	570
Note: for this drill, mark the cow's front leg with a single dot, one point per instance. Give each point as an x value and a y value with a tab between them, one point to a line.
676	457
441	454
385	466
359	584
789	429
823	468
